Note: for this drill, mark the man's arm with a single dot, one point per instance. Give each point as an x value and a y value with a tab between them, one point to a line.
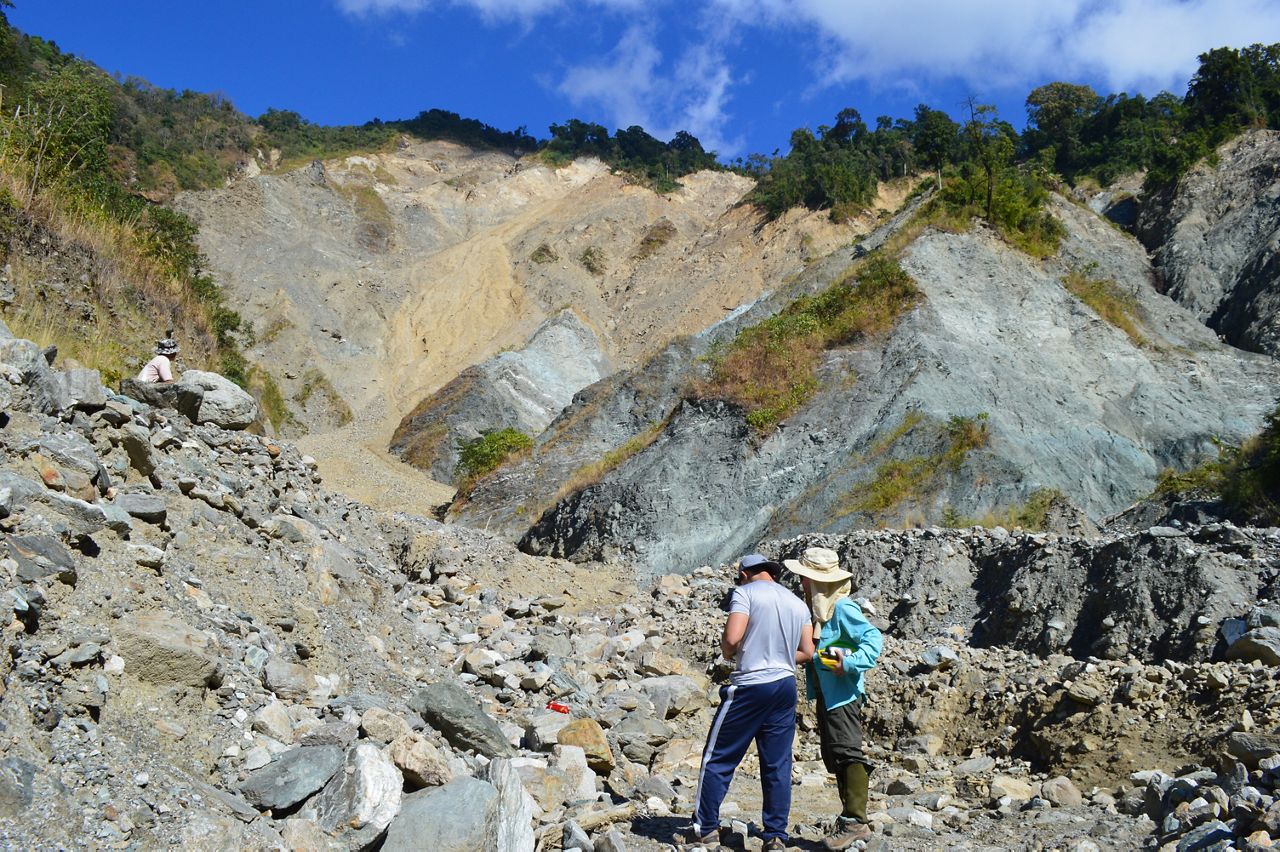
734	629
805	652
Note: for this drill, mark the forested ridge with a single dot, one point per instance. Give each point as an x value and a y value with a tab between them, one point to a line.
1072	133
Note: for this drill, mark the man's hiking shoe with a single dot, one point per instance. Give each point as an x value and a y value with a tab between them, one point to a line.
775	844
846	833
687	838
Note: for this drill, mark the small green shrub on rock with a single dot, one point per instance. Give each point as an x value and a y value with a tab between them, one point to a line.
484	454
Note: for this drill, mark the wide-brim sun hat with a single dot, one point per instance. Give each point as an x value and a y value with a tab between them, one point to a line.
168	346
818	563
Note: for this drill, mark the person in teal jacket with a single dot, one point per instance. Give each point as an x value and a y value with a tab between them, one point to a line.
848	646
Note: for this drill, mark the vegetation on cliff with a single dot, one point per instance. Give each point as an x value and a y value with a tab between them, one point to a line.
770	368
1245	478
58	179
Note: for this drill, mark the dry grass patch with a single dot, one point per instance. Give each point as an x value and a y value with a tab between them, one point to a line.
592	473
1108	301
770	368
659	234
914	479
120	299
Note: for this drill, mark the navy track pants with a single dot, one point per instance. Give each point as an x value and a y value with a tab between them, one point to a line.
766	713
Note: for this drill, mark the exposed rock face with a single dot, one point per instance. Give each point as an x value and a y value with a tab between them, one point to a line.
201	397
1050	594
1215	241
387	275
522	390
1070	402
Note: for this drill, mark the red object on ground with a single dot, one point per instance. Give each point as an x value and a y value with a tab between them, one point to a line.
557	706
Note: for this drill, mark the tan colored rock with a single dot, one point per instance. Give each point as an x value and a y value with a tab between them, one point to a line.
273	720
421	763
162	648
306	834
383	725
659	664
1018	789
589	736
676	756
290	681
548	786
1061	792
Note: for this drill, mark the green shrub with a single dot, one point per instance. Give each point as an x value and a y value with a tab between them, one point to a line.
1252	476
544	254
1017	203
484	454
1246	478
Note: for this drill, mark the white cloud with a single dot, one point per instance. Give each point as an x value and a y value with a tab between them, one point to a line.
1151	44
1130	44
632	88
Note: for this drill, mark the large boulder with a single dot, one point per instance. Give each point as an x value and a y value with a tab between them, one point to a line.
587	735
47	393
223	402
467	814
1261	643
358	804
448	708
292	777
458	817
182	398
160	648
513	826
83	388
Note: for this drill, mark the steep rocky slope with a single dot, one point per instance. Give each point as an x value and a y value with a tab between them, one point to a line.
524	390
1066	400
210	649
1216	241
372	282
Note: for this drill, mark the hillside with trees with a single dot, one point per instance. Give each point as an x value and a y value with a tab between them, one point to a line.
1072	133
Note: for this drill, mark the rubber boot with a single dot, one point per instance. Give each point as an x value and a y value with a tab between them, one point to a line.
851	826
854	794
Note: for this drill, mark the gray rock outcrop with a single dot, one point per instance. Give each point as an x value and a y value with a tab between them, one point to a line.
522	390
1068	402
447	708
458	817
292	777
1215	241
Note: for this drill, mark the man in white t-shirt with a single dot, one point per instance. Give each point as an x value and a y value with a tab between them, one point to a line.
768	634
159	370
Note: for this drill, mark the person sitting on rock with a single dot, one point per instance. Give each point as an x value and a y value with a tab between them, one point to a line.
848	647
766	636
159	370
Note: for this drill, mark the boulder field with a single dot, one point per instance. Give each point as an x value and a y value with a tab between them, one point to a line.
207	648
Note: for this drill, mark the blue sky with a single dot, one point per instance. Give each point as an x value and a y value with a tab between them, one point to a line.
739	74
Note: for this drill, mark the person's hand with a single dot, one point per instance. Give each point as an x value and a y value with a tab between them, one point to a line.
838	653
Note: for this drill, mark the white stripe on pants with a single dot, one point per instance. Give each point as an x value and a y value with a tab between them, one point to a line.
710	750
